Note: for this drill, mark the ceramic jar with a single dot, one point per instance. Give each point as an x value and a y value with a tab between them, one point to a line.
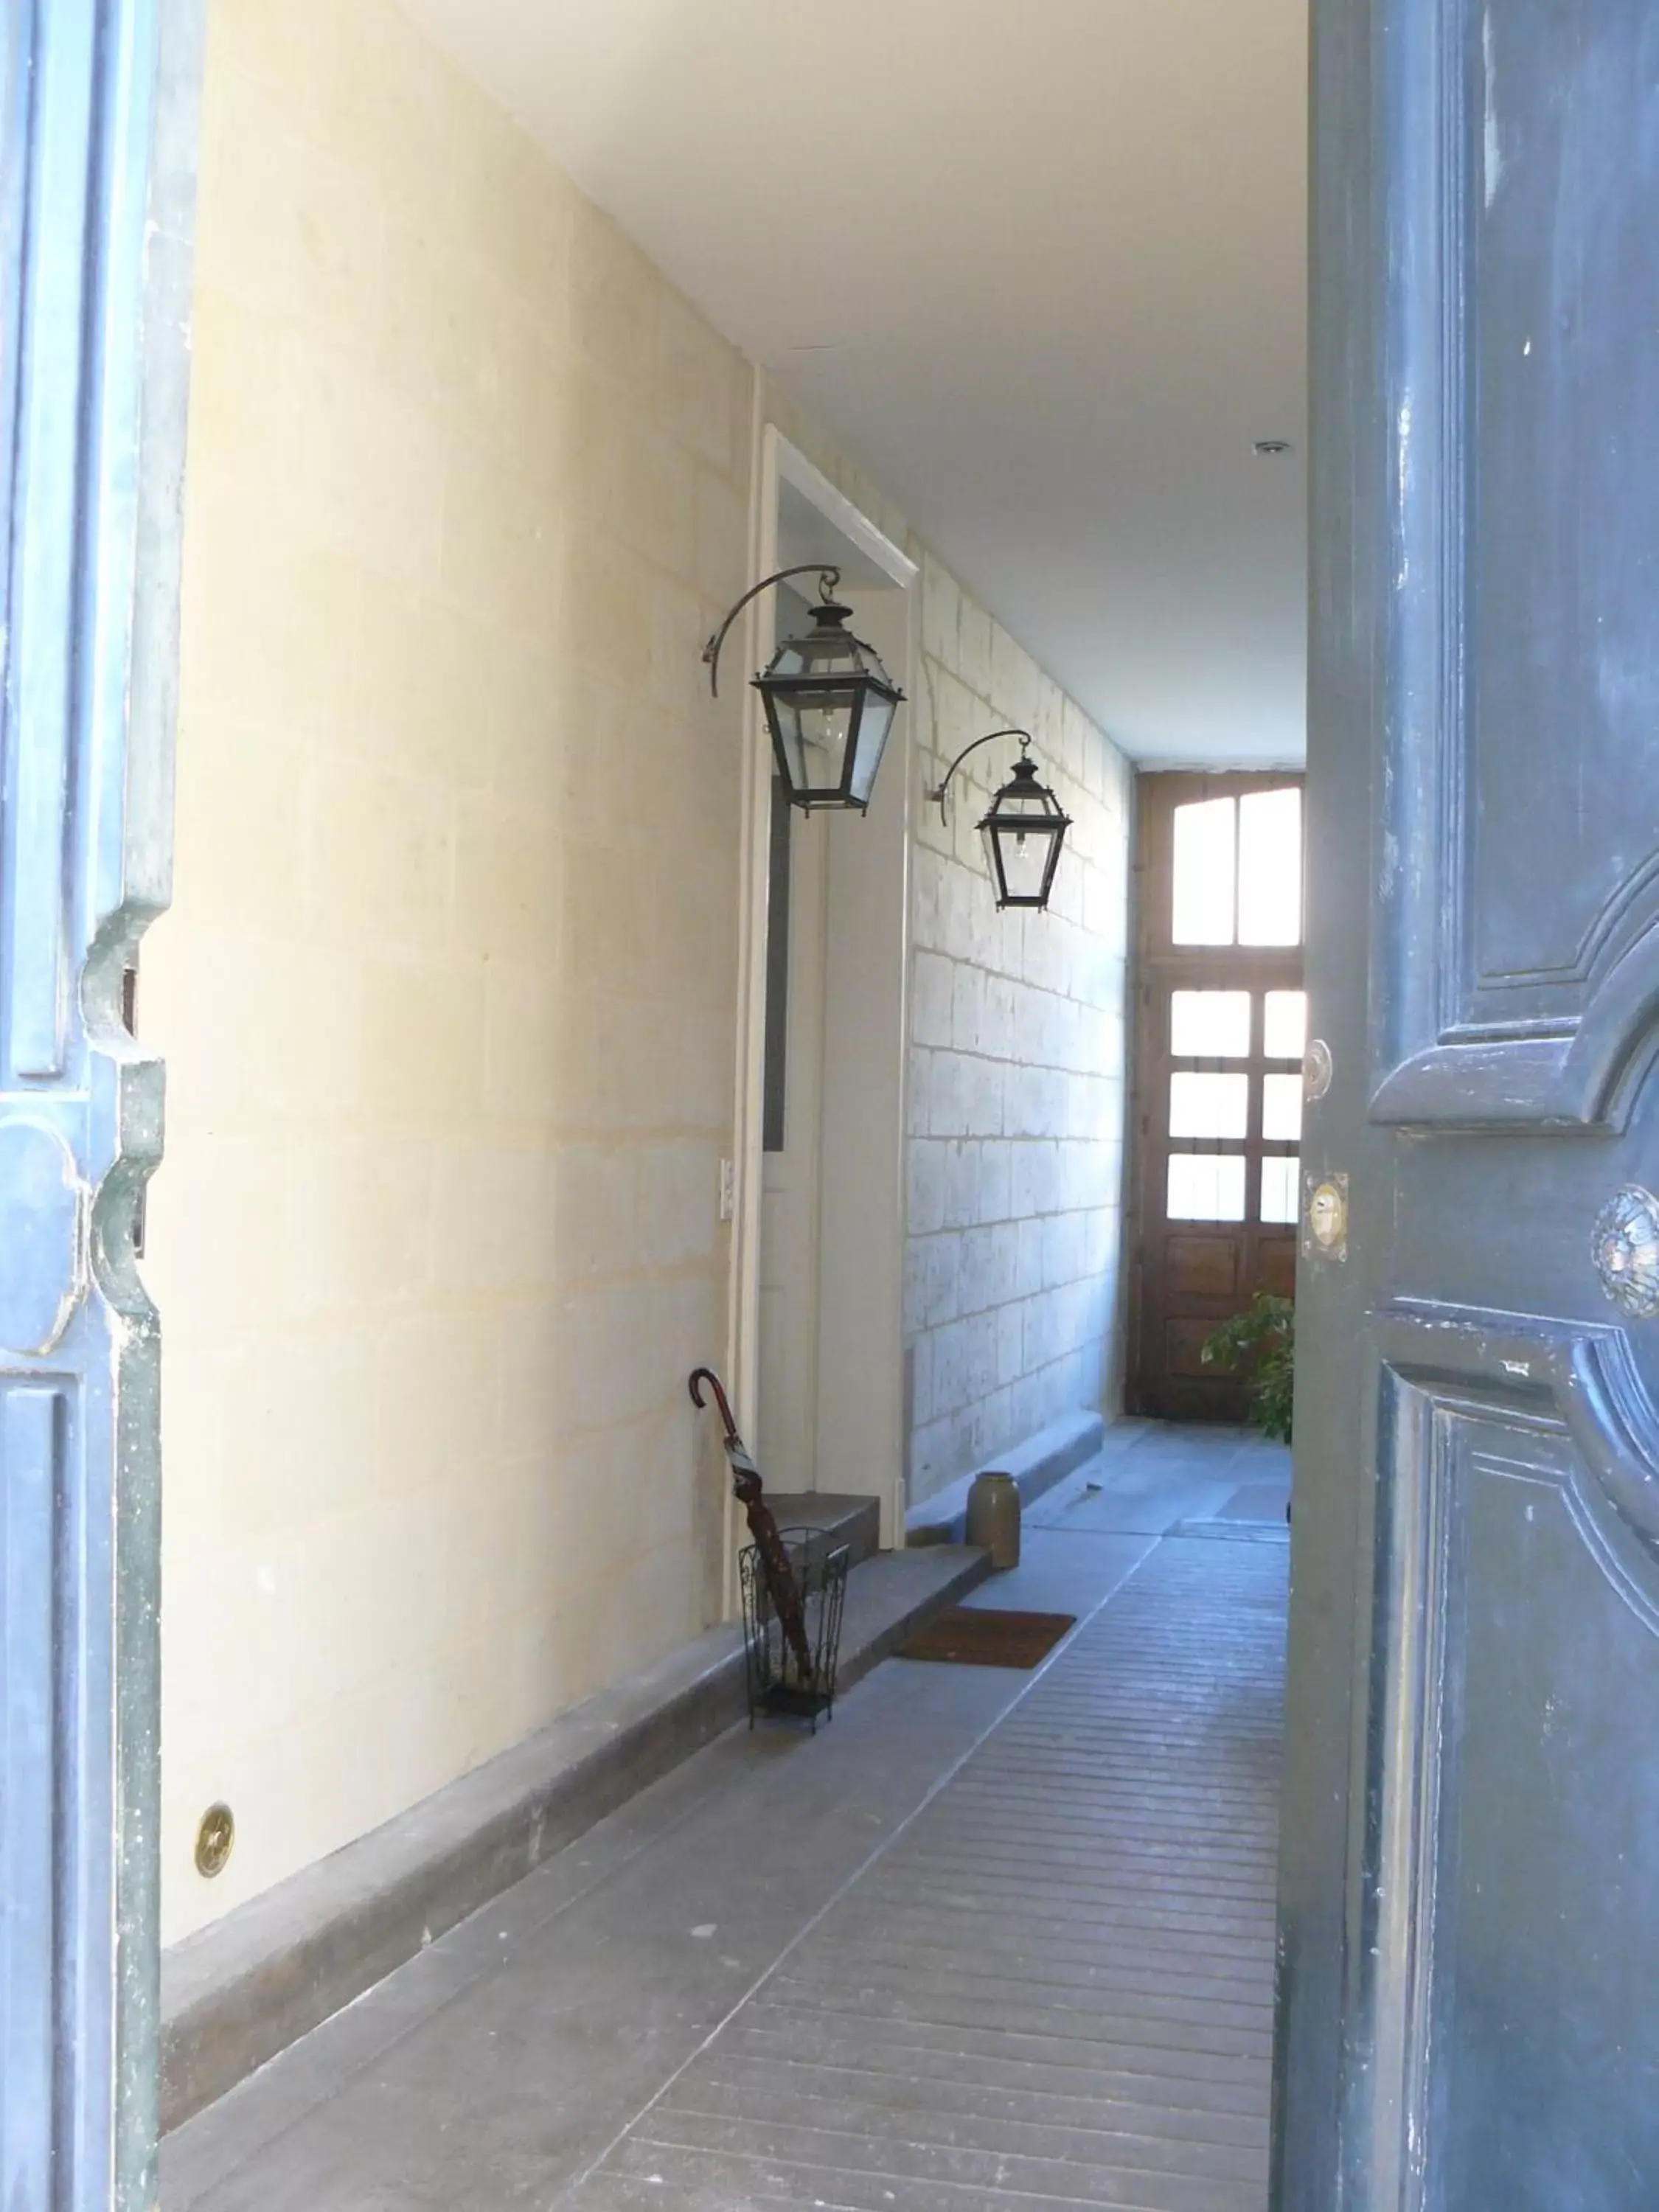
993	1518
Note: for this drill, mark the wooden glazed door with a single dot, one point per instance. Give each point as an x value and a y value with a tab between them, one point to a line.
1221	1030
1469	1937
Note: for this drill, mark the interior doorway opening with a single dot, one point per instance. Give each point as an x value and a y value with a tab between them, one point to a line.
820	1278
1216	1109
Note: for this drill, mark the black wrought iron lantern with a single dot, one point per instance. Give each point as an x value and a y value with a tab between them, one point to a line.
829	704
1023	832
1024	828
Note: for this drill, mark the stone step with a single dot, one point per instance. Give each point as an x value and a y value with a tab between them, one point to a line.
843	1516
892	1594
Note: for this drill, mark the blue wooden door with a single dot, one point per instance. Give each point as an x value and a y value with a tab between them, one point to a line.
90	395
1469	1954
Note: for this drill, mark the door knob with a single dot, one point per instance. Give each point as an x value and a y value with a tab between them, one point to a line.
1625	1245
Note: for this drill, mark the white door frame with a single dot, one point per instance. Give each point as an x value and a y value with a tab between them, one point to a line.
780	463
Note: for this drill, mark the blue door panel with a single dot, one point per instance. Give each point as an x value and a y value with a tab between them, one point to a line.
80	1112
31	1449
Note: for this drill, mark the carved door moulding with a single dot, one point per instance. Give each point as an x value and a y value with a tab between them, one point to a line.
1516	977
1551	1413
1580	1374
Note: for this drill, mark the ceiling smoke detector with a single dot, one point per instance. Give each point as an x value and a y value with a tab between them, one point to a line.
1271	448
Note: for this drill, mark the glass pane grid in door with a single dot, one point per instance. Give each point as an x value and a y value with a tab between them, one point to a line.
1205	1186
1281	1108
1270	868
1206	871
1281	1179
1230	1131
1210	1025
1205	1105
1285	1024
1221	1036
1236	871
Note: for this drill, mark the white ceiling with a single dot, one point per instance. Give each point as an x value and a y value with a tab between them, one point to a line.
1039	264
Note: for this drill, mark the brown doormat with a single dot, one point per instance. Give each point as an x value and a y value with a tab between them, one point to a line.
979	1636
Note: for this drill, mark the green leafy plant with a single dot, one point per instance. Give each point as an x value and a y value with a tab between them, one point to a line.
1260	1344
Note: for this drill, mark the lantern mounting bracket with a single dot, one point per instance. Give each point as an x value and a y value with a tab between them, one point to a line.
1024	736
829	585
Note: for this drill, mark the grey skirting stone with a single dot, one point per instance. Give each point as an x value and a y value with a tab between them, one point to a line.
1037	1465
238	1992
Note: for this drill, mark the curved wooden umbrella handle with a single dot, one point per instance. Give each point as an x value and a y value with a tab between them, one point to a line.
695	1382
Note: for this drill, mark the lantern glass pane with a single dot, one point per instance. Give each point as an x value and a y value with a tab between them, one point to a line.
874	727
825	721
826	653
1021	857
810	728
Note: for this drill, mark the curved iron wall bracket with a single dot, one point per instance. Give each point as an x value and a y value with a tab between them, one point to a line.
829	585
990	736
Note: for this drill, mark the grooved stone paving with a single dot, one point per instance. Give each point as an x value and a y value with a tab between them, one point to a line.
993	1940
1053	1988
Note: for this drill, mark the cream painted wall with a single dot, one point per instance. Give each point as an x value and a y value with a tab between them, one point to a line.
446	995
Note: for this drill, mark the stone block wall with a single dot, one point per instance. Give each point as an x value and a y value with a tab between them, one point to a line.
1015	1098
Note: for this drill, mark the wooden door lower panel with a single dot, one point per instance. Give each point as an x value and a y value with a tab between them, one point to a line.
1205	1274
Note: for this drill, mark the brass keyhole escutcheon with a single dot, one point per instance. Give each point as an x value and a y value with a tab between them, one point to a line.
215	1839
1324	1216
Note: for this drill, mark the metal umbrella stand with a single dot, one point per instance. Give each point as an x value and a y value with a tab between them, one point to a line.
794	1590
778	1683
